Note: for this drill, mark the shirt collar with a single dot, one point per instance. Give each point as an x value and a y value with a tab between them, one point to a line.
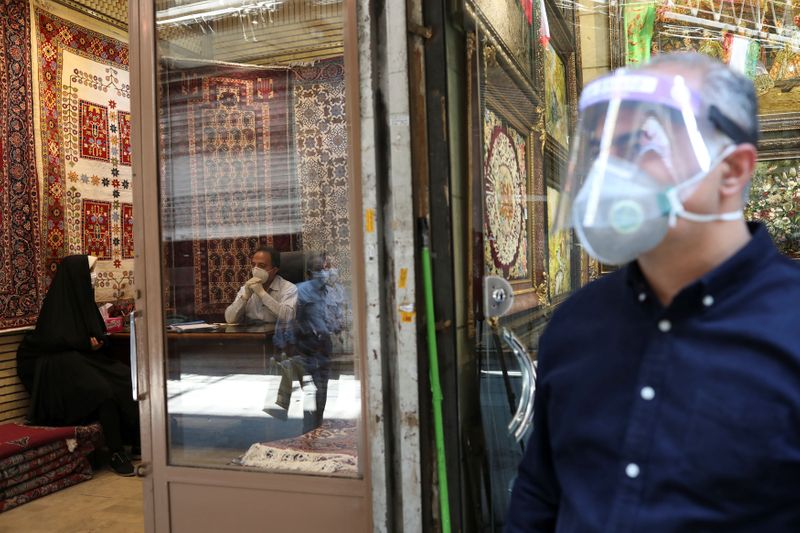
276	284
743	265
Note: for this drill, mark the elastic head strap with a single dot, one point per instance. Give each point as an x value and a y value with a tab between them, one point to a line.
676	210
730	128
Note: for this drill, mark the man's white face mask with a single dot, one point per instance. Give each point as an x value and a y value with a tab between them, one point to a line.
261	274
633	211
333	276
638	156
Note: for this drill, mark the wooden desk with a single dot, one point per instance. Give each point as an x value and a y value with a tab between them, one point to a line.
231	350
228	350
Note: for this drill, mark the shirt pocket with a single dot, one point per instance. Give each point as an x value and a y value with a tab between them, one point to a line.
732	448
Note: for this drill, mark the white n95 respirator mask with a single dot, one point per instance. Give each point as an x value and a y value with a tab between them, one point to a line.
631	212
640	151
261	274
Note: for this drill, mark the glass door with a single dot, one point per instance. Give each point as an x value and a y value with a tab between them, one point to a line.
521	95
509	254
256	385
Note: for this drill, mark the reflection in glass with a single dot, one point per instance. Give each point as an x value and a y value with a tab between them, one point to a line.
256	237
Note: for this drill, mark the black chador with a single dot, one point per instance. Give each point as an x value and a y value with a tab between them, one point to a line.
65	366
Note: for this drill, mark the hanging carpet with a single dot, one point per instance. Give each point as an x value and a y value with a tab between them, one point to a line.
321	147
228	186
84	95
20	268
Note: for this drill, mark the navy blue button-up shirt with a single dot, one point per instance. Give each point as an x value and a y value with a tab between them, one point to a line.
684	418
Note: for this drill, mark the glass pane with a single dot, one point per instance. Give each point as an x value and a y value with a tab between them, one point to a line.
510	198
522	95
260	363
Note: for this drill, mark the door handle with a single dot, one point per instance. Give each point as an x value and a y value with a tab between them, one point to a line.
135	389
498	297
523	418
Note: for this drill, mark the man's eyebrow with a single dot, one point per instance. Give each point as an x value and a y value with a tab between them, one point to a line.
626	136
595	141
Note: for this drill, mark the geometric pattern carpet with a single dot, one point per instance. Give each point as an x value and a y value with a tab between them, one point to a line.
87	208
321	143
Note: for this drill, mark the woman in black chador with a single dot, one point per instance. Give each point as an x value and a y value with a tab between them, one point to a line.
64	365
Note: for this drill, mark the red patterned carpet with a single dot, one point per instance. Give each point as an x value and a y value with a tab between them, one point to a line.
20	268
227	172
37	461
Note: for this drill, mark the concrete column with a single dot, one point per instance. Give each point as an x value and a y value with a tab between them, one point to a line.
391	328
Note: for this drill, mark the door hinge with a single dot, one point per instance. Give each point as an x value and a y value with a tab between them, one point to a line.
421	31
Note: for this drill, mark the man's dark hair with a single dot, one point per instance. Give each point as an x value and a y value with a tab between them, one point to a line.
274	254
729	97
730	92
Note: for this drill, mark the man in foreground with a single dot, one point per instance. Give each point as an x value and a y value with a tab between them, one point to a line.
668	395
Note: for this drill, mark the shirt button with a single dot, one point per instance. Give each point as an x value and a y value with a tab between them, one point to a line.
642	296
632	470
708	300
647	393
665	326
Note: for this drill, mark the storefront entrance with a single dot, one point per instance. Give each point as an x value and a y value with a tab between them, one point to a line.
252	394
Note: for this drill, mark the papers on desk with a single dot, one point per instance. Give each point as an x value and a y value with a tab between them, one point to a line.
192	326
254	327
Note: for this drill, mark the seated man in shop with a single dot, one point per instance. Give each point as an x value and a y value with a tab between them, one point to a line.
266	297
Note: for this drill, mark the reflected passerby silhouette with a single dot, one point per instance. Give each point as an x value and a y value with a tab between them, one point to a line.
304	344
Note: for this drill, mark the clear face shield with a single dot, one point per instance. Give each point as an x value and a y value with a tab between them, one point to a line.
640	150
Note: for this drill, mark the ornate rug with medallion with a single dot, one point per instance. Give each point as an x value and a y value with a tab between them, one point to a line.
505	189
20	271
84	98
228	178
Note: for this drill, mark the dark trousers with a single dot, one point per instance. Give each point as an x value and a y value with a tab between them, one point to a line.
312	357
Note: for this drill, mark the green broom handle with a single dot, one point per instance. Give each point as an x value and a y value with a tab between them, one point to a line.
436	387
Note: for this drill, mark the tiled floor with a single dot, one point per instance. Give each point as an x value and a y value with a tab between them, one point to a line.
106	503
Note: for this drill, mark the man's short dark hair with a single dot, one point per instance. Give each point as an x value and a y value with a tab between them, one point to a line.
732	93
274	254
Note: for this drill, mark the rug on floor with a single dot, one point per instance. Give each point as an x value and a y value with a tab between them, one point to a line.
331	449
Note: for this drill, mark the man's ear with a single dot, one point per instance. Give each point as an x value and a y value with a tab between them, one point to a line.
738	170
